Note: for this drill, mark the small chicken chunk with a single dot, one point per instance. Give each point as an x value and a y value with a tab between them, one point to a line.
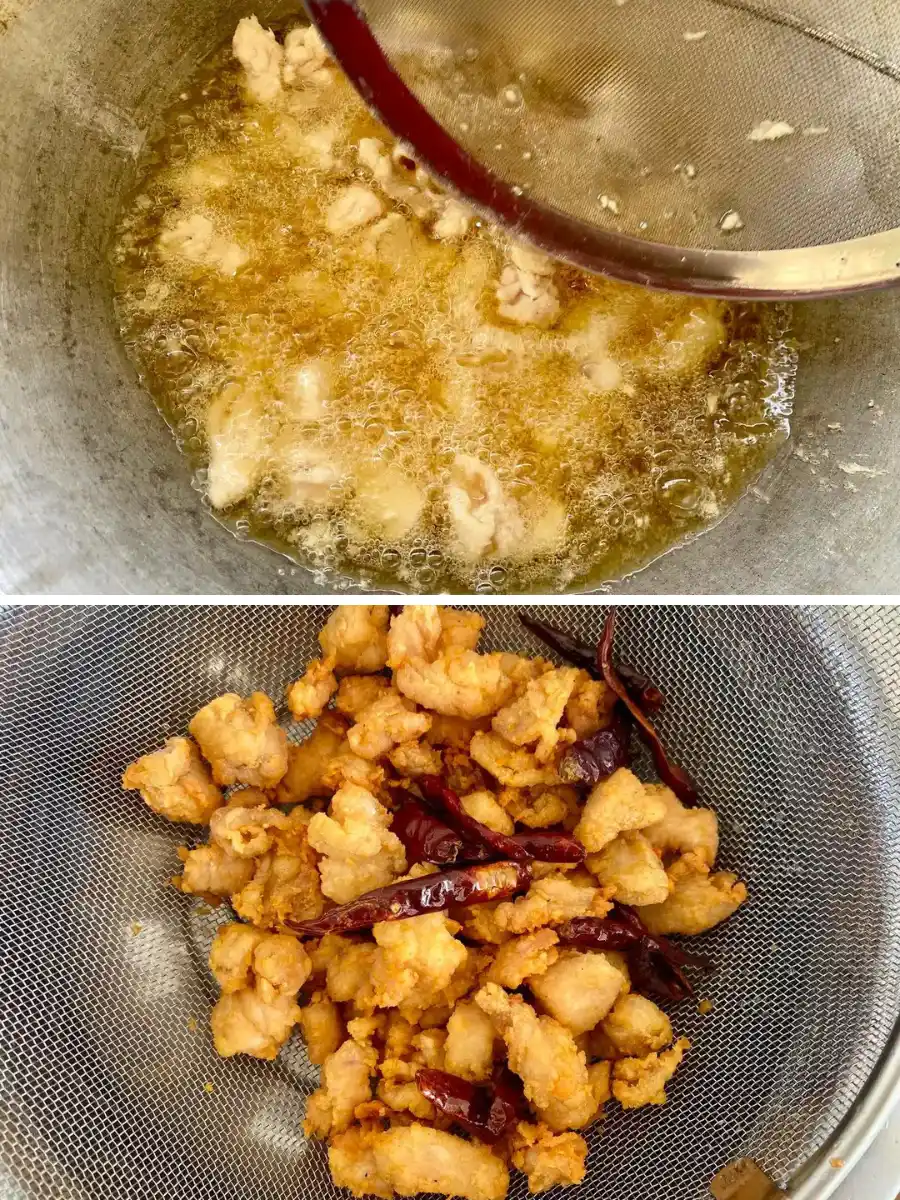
261	57
417	1159
285	882
388	501
231	956
347	965
246	832
486	522
358	850
355	207
544	1055
357	692
346	1082
213	872
632	868
457	684
241	740
527	956
415	633
195	239
309	696
548	1159
237	436
274	964
541	807
483	807
640	1081
416	959
322	1028
579	989
550	901
636	1026
415	758
617	804
349	768
698	900
249	797
453	223
590	705
455	732
351	1160
175	782
388	722
534	716
308	762
244	1023
306	58
469	1049
526	293
510	765
460	629
683	830
356	636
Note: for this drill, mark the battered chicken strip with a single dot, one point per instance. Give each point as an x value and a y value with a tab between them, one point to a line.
510	765
309	696
415	758
322	1028
459	683
529	955
309	761
356	692
346	1082
469	1048
416	1158
483	807
241	740
358	850
548	1159
416	959
356	636
590	705
683	830
632	868
386	723
544	1055
550	901
636	1026
541	807
618	803
175	782
455	732
246	832
698	900
351	1160
532	719
579	989
213	872
285	882
640	1081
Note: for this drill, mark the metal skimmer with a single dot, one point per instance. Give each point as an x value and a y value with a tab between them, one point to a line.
109	1088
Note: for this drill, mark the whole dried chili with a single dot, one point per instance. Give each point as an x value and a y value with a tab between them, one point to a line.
487	1111
411	897
522	847
425	838
674	776
596	757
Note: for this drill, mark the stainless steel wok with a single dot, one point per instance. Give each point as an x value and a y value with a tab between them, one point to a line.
97	499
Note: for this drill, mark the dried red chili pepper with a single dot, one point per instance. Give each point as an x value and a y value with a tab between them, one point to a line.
424	837
598	933
487	1112
411	897
642	690
594	758
520	847
672	775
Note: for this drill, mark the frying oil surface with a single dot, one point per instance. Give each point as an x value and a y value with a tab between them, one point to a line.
385	388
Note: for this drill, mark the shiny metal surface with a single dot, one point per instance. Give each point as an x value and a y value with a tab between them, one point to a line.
94	496
785	716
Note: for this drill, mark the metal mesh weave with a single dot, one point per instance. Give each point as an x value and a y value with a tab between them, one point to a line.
109	1087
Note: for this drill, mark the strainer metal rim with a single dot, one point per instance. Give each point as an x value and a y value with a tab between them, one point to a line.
815	272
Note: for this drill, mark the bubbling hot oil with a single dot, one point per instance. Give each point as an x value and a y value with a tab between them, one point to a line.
421	366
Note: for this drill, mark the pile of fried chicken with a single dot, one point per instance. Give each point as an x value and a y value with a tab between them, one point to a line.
397	1010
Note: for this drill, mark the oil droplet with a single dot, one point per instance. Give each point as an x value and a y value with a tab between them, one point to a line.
512	97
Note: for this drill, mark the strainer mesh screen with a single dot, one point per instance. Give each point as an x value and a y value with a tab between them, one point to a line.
108	1084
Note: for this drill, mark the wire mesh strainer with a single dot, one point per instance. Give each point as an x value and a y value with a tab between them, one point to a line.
108	1083
732	146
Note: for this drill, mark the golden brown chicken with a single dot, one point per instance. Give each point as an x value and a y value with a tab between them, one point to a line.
241	740
175	782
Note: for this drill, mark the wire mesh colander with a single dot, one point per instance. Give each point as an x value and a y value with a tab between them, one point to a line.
108	1083
730	146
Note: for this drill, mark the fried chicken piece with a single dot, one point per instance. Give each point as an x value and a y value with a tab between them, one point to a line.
430	1046
249	797
231	956
469	1049
683	830
212	871
415	758
348	768
548	1159
541	807
636	1026
309	696
483	806
632	868
347	965
455	732
529	955
459	683
175	782
346	1082
309	761
416	1158
358	850
544	1055
579	989
356	692
416	959
285	882
589	707
241	740
351	1160
460	629
356	636
246	832
550	901
510	765
698	900
533	717
619	803
479	923
386	723
461	773
244	1023
640	1081
322	1028
415	634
